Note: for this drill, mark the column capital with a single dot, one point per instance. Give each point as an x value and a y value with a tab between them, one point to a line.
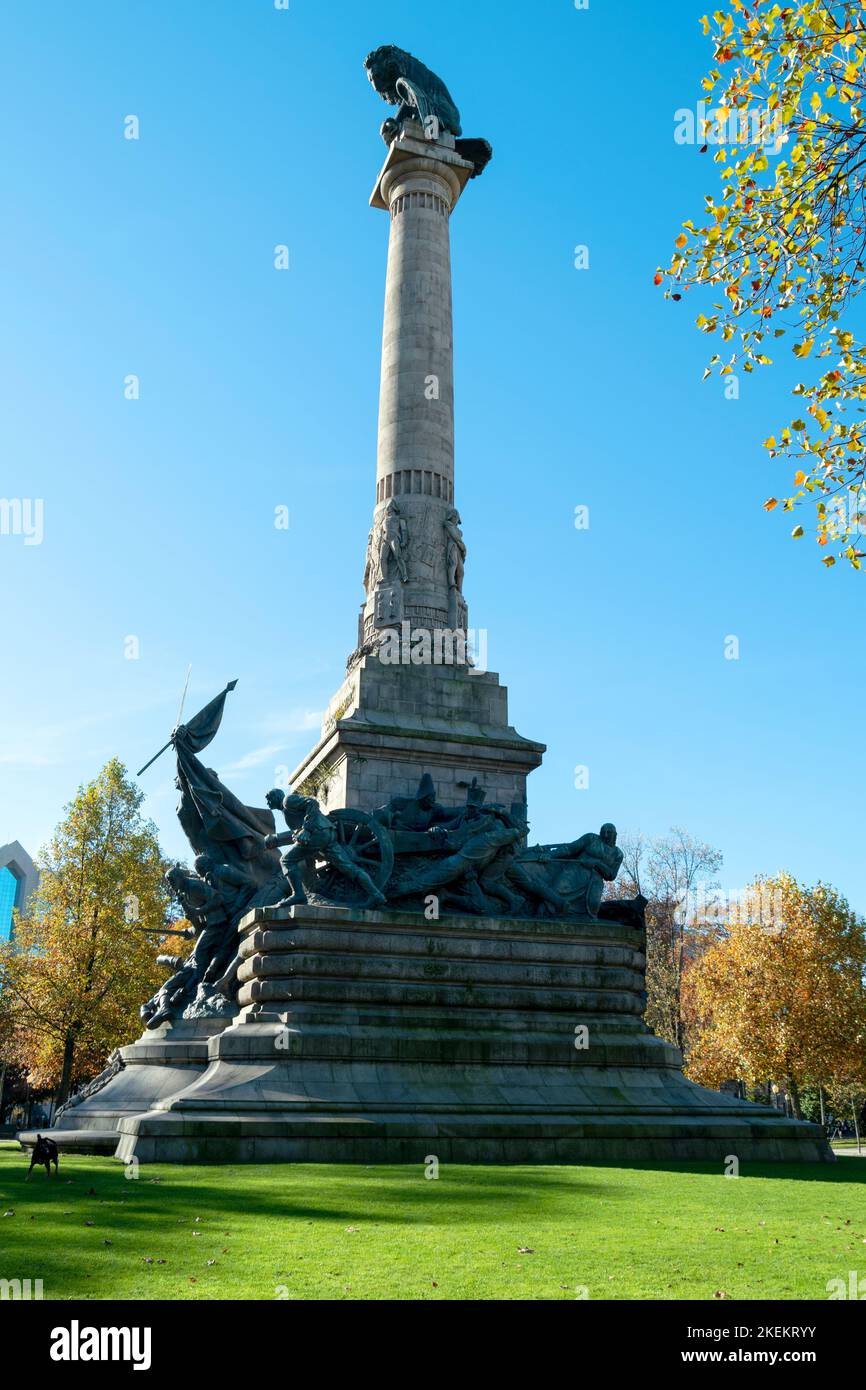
410	154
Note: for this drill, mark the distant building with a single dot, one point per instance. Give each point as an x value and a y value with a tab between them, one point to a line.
18	879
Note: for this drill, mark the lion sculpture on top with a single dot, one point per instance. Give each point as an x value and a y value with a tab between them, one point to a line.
418	94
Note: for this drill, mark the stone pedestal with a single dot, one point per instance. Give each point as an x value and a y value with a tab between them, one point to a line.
156	1067
373	1037
388	724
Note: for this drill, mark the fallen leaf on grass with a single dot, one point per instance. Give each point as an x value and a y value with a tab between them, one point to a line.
525	1250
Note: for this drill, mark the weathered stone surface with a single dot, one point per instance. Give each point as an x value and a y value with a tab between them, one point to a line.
388	724
160	1064
382	1037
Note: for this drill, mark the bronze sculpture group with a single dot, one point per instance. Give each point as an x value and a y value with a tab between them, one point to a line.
412	853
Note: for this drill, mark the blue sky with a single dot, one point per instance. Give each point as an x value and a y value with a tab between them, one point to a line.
259	388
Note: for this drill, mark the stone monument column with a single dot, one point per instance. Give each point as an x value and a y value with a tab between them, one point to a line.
395	717
415	558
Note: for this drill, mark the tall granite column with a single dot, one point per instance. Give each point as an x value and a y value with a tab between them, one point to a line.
392	720
415	565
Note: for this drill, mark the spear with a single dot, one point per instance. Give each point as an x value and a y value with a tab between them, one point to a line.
213	711
179	713
154	758
168	931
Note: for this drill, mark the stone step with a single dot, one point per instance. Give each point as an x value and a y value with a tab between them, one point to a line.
443	1046
442	945
475	974
78	1141
418	1019
405	994
360	922
469	1138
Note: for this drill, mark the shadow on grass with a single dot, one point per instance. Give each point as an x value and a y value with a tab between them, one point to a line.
386	1193
133	1221
840	1171
89	1241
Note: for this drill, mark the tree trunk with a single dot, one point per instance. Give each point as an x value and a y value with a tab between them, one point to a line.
856	1125
821	1103
794	1093
66	1074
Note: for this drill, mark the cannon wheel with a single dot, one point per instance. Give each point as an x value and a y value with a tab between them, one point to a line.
369	844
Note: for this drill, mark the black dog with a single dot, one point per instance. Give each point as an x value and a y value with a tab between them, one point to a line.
44	1152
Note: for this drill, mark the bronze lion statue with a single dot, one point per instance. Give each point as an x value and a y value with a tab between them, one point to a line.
405	82
418	94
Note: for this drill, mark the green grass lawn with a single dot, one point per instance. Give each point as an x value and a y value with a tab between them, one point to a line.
309	1231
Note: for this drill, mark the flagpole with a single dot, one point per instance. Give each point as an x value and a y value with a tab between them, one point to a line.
183	696
230	686
154	758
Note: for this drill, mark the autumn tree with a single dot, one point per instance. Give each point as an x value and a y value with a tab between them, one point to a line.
676	873
77	967
847	1100
782	242
781	995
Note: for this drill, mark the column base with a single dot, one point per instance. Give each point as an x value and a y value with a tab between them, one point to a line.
379	1037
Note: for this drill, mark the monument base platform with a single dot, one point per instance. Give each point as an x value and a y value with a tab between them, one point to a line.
162	1062
467	1138
72	1141
381	1037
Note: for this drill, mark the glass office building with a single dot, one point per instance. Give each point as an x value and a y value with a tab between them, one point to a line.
8	894
18	880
